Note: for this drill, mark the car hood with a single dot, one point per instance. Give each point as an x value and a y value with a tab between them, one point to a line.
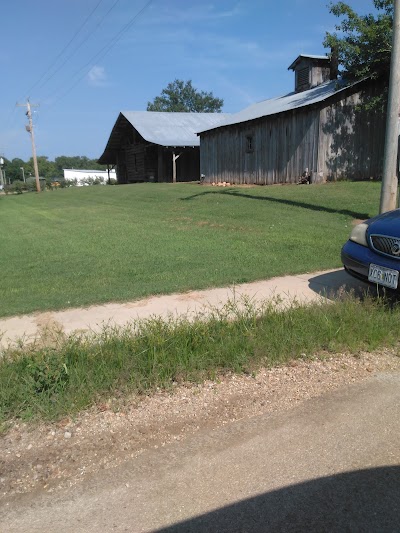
386	224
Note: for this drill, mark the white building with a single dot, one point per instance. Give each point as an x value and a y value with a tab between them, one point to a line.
88	177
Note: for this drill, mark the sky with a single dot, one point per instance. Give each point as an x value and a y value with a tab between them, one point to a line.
84	61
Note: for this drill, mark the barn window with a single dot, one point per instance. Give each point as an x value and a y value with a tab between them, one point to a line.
249	143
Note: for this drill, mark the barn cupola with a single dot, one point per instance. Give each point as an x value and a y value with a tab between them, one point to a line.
310	71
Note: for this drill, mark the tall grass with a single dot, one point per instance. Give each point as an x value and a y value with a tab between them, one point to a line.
48	383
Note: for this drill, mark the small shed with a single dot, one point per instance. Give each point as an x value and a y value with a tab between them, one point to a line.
157	146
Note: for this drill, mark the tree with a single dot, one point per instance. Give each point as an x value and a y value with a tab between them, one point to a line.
363	42
13	169
180	96
78	161
47	168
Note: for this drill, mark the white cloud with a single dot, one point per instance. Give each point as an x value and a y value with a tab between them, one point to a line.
97	76
186	13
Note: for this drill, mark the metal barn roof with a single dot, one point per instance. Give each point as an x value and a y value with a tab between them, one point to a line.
284	103
162	128
172	129
307	56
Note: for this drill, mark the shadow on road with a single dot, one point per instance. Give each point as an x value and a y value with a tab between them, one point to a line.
334	284
361	501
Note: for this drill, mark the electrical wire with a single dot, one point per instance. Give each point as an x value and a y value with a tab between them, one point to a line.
101	54
79	45
65	47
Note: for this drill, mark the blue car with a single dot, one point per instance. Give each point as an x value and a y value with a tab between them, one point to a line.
372	252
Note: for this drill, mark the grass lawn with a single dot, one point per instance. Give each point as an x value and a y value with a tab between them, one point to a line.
80	246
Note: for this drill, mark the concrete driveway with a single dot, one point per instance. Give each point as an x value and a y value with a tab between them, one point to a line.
303	287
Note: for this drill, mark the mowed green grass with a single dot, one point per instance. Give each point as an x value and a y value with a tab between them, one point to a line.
80	246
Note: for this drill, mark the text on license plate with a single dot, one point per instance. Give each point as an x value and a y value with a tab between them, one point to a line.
383	276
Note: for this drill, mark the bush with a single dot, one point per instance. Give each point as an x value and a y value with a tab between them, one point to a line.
47	373
31	184
97	180
57	183
16	187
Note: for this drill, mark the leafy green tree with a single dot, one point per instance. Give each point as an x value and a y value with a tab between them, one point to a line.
13	169
46	168
79	162
180	96
363	42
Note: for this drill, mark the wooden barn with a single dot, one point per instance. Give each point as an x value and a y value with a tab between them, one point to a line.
152	146
317	131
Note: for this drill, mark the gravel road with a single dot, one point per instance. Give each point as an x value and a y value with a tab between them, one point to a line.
51	460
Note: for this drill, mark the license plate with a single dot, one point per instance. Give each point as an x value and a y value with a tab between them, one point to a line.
383	276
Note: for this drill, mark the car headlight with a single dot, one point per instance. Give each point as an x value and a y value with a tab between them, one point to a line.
359	234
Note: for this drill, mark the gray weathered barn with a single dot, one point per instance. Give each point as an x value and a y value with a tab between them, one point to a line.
318	129
152	146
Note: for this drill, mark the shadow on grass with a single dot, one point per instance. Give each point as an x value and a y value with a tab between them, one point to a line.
364	500
293	203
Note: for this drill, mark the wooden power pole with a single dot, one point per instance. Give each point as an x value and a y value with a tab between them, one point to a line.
29	129
389	179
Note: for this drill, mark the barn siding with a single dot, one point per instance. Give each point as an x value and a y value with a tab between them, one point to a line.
351	141
135	163
331	139
138	161
284	145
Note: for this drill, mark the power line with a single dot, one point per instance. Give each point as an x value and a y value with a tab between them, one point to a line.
102	53
79	46
66	46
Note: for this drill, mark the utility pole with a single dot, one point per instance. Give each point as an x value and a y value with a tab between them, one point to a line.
2	181
389	179
29	129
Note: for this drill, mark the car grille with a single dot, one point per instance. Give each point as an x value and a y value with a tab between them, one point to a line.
386	245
